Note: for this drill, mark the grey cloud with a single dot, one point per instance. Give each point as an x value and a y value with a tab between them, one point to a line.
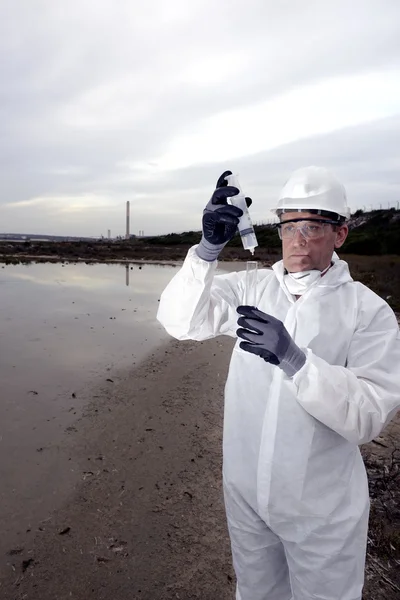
366	159
55	53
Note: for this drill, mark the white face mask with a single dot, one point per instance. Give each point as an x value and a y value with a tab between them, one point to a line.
298	283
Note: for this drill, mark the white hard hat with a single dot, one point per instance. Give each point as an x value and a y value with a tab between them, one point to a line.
313	188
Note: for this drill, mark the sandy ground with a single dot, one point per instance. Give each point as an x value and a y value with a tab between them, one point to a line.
143	516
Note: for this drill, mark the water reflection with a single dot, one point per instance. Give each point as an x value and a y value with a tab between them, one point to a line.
90	276
66	319
69	317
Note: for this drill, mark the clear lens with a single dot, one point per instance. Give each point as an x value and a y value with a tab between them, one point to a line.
309	229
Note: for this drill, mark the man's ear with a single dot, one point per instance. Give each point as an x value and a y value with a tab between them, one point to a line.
341	236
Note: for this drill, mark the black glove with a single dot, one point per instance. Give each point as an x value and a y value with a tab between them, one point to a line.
220	220
267	337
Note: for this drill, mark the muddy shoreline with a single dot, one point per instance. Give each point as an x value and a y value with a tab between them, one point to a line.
113	252
144	518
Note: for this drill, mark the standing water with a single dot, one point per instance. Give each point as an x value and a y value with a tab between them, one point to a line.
65	330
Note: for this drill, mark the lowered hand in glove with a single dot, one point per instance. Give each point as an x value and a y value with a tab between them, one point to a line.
220	220
267	337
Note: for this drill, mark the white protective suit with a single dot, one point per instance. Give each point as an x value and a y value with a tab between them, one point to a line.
295	485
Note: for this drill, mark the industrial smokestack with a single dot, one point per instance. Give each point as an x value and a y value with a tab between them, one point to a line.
127	236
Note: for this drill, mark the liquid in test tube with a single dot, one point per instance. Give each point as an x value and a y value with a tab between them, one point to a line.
250	298
245	226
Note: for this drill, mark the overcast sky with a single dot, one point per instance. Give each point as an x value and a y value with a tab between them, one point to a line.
105	101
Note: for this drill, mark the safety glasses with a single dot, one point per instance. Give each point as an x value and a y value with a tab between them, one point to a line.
309	228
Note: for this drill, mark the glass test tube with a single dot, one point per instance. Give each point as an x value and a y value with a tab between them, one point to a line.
250	298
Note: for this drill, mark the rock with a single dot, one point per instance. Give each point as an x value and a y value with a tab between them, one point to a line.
26	564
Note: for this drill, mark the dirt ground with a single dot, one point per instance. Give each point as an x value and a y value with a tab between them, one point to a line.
145	519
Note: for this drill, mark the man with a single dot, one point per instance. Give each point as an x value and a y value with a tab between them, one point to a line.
314	373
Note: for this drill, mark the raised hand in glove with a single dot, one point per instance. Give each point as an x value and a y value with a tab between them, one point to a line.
268	338
220	220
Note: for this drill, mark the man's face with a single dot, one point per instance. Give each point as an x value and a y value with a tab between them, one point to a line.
302	254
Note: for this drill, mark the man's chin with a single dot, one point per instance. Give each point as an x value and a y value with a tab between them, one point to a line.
294	264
